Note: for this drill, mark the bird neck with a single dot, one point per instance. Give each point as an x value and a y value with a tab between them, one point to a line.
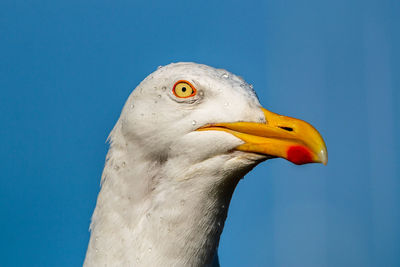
146	218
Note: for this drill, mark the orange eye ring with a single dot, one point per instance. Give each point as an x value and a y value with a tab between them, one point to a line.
181	89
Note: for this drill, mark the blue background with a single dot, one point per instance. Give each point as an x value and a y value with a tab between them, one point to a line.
67	67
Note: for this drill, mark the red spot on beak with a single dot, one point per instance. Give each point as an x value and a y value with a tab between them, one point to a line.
299	155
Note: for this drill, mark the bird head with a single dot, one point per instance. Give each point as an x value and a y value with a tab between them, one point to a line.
185	137
187	114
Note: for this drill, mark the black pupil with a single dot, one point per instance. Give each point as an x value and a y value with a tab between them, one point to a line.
183	89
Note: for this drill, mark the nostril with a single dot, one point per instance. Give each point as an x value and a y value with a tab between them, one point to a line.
289	129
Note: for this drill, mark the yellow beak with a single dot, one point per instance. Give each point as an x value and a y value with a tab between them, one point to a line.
281	136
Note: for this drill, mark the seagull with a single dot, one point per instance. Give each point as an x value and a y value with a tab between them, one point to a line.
185	137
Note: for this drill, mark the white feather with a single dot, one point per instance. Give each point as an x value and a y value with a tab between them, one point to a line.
166	188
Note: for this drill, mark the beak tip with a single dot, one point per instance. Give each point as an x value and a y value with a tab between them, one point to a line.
323	156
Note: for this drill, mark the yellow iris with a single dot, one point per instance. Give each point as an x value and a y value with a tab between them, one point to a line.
184	89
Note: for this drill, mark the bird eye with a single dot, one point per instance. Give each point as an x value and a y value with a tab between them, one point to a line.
183	89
